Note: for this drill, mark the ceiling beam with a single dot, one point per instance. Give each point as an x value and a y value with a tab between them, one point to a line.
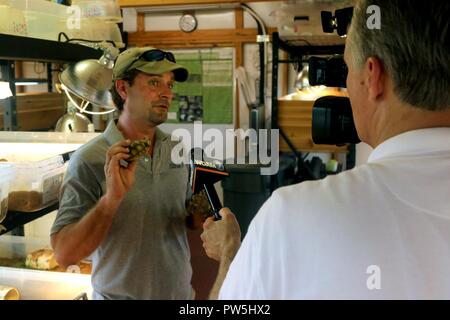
215	37
147	3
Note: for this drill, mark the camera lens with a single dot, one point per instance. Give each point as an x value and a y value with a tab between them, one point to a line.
332	121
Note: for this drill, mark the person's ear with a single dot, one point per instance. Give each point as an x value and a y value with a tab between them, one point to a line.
121	88
375	78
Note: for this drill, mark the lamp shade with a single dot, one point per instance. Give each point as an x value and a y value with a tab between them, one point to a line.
89	80
75	122
72	121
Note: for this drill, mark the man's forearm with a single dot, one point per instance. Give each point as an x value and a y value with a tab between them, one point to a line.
221	274
221	240
224	265
78	240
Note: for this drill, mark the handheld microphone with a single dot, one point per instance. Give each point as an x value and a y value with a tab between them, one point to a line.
203	176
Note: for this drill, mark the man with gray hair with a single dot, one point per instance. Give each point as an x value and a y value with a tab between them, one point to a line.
381	230
131	219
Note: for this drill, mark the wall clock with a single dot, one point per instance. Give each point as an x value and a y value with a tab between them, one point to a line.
188	22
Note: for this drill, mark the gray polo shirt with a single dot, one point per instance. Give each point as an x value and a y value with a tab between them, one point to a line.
145	254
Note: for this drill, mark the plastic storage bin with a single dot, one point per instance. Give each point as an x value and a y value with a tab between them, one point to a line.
17	247
37	177
36	284
36	185
12	18
45	19
33	18
96	29
98	21
6	175
38	165
104	9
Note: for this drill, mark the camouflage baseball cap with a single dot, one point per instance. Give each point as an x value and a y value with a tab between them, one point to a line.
149	60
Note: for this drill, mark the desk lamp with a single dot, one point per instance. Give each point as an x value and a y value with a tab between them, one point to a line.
90	81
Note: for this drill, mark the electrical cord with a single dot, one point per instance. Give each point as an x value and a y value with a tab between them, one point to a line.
83	40
262	27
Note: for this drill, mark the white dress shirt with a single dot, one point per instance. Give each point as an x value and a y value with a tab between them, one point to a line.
379	231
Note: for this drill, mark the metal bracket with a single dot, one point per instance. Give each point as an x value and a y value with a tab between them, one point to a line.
262	38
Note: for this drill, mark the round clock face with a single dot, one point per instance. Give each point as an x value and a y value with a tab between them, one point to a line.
188	23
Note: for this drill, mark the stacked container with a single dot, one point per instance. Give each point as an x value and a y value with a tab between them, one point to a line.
6	175
89	20
98	21
37	284
35	183
33	18
12	19
38	165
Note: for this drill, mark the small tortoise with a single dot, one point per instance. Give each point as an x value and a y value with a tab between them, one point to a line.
138	148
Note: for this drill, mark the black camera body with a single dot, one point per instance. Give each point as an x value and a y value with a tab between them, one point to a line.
332	117
330	72
332	121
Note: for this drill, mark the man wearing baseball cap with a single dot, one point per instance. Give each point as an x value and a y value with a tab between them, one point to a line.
130	219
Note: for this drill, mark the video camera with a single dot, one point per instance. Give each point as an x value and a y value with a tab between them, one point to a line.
332	121
332	117
330	72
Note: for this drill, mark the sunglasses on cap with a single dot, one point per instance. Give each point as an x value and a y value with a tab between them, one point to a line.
153	55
